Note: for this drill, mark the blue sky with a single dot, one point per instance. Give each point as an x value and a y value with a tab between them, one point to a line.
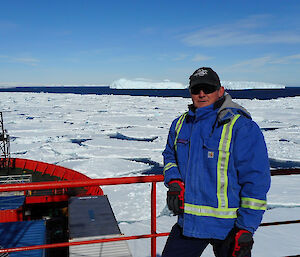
97	42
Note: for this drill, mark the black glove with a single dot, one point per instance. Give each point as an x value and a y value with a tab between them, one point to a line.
175	196
241	242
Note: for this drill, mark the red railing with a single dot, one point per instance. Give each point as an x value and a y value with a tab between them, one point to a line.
113	181
60	172
93	182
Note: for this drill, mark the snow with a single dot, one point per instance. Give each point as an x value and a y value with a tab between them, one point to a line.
106	136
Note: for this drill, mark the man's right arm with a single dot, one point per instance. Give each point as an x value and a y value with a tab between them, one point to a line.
171	171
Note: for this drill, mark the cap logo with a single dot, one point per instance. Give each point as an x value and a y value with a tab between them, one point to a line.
201	73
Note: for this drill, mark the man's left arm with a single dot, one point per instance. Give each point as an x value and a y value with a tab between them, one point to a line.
252	164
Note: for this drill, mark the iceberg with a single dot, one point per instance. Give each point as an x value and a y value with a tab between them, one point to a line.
145	84
166	84
140	83
239	85
19	84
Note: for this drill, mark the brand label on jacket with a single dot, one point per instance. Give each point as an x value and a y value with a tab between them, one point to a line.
210	154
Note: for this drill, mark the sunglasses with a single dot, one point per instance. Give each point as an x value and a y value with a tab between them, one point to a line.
207	89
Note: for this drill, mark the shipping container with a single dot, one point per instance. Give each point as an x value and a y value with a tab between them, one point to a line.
23	233
11	208
11	202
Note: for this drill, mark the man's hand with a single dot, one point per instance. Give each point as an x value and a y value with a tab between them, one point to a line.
241	242
175	196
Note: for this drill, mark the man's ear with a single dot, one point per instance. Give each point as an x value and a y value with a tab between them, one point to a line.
221	91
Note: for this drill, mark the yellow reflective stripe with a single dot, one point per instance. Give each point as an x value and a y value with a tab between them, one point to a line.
200	210
223	160
179	121
254	204
169	166
178	128
219	168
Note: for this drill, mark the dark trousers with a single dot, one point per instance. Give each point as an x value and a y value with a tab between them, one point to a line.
179	245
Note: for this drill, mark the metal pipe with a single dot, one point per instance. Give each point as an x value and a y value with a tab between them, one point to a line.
111	181
292	171
105	182
153	219
80	183
104	240
94	182
279	223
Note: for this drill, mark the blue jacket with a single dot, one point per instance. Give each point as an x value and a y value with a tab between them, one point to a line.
221	156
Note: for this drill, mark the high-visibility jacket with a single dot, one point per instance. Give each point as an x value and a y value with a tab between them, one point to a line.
220	154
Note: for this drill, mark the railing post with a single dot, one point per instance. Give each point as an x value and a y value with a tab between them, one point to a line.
153	219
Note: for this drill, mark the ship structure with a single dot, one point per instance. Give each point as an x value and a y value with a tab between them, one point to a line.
49	216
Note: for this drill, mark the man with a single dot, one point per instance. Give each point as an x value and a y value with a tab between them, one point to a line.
217	170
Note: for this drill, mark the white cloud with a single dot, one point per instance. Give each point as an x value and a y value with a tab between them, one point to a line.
126	58
24	60
252	30
183	56
180	57
253	63
29	61
287	59
200	57
149	31
264	61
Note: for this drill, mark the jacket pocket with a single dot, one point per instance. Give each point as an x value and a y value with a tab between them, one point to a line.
182	153
210	153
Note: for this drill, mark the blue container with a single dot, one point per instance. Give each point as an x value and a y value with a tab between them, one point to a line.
23	233
11	202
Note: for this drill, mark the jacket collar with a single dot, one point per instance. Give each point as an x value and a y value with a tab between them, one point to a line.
226	109
202	113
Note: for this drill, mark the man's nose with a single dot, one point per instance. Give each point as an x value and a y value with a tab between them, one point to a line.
201	93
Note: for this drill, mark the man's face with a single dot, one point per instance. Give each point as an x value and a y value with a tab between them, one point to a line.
201	99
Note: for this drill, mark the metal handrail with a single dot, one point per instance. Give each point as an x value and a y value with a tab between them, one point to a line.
80	183
16	179
113	181
93	182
